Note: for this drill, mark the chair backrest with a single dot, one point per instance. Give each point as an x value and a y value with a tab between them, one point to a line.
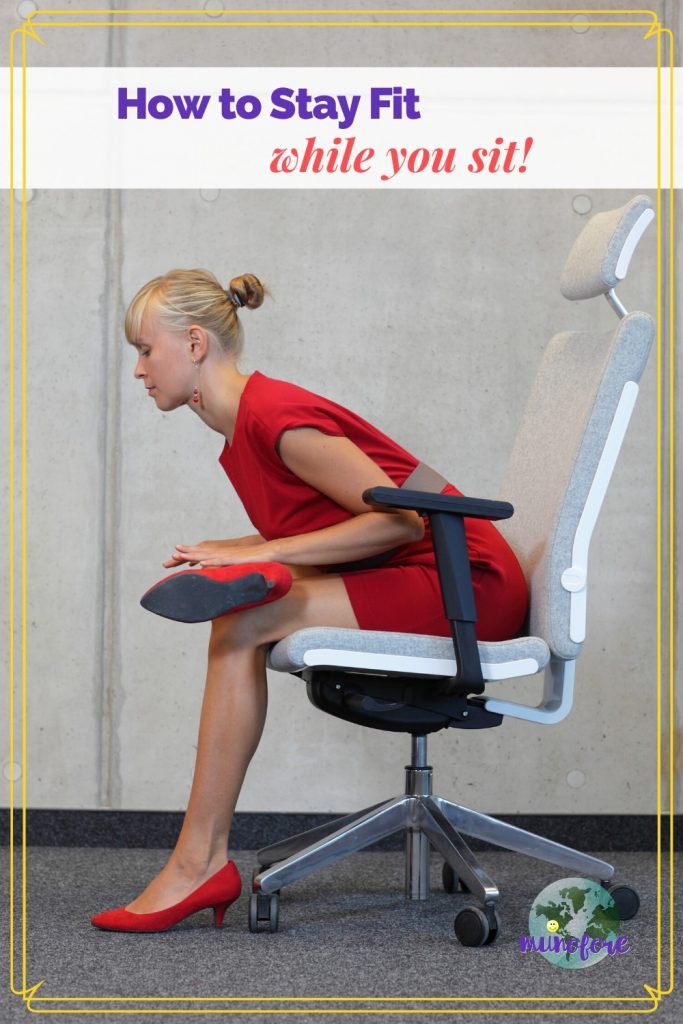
572	430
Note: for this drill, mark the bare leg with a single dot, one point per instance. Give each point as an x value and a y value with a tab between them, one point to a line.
232	718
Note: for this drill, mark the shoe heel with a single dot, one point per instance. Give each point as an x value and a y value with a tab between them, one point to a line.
219	913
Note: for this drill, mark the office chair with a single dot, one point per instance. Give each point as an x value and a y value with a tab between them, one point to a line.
558	473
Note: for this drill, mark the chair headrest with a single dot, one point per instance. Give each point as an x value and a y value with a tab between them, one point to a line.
601	254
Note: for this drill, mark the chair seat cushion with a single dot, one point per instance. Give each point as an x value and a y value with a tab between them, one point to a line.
402	654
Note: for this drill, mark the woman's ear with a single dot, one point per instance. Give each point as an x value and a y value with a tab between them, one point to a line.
198	342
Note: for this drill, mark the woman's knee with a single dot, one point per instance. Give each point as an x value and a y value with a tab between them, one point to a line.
320	601
251	628
229	632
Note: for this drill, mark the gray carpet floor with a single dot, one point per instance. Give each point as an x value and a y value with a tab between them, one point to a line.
346	933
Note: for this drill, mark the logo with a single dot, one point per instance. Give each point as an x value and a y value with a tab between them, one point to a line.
574	923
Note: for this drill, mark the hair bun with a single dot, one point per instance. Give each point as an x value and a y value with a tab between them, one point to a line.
248	290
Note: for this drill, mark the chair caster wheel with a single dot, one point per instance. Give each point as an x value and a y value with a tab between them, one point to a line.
626	900
476	927
264	912
451	881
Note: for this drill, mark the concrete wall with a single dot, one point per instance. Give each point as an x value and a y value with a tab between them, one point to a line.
425	312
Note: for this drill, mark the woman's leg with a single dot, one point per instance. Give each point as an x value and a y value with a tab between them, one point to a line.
232	718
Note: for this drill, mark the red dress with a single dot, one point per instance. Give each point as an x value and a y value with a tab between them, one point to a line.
402	595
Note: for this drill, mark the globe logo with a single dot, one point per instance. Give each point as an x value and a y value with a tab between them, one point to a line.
574	923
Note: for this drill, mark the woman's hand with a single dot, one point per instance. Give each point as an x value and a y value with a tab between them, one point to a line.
210	553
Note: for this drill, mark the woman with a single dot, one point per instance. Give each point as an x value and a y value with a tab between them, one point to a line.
300	464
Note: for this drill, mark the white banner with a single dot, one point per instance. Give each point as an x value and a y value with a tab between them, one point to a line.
229	128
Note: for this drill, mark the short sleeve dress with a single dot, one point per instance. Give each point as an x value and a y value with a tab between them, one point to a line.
401	594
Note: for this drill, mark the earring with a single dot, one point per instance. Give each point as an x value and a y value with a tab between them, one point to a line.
195	389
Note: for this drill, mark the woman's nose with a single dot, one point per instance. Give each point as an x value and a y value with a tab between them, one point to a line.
138	371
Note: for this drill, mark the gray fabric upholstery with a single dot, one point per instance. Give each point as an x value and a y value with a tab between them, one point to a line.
289	654
555	457
591	265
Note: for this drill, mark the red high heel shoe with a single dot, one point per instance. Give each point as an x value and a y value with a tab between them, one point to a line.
197	595
218	892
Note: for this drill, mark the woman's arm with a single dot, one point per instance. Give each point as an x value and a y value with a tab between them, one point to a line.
337	468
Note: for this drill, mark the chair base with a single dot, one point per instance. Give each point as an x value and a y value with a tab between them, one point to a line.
427	821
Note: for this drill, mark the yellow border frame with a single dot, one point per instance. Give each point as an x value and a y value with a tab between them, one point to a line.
343	1005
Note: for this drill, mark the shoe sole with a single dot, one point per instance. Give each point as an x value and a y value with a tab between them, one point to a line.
191	597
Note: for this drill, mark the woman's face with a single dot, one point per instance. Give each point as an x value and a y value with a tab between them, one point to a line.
164	365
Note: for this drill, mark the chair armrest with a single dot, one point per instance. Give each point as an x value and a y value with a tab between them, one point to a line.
425	502
446	513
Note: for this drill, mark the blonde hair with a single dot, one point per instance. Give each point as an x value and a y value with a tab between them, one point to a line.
181	298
